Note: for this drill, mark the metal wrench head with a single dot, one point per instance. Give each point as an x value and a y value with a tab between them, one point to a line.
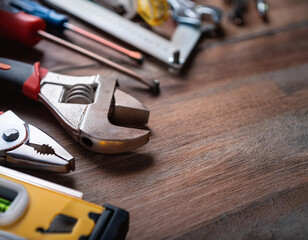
97	107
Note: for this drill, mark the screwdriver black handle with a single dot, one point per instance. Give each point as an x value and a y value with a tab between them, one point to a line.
21	77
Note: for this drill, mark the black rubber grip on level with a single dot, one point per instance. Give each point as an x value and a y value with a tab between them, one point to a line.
112	224
15	77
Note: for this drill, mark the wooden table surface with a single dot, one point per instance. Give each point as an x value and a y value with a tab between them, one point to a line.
228	154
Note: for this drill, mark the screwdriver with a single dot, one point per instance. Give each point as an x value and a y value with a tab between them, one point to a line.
29	30
60	22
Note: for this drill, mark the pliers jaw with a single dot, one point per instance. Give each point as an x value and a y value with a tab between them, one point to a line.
23	145
100	114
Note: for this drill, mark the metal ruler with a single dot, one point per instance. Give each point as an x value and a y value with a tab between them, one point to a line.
174	52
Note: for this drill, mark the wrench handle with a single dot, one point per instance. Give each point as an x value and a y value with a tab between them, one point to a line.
22	77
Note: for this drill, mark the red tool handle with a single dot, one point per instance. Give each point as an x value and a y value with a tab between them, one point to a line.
22	77
21	27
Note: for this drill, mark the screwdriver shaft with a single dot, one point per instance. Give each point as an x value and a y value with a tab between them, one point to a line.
132	54
92	55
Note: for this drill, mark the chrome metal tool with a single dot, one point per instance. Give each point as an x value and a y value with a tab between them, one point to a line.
23	145
174	52
262	8
188	12
239	7
90	108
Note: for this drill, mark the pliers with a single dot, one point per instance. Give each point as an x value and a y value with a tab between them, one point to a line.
90	108
23	145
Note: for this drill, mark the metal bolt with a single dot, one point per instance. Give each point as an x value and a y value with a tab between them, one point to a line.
10	135
175	58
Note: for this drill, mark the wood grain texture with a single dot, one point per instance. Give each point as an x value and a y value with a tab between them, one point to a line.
228	155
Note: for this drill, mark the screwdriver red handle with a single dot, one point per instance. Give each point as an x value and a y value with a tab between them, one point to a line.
22	77
21	27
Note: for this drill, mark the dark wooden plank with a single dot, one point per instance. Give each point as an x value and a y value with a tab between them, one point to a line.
286	221
228	155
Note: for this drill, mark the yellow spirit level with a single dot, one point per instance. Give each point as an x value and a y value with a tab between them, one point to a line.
32	208
4	204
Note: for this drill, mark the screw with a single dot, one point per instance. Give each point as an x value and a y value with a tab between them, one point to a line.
175	58
10	135
155	87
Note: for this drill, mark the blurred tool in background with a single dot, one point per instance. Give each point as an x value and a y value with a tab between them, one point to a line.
187	12
174	51
154	12
126	8
59	22
262	8
239	7
29	30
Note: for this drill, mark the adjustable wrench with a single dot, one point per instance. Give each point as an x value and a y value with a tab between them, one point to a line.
87	107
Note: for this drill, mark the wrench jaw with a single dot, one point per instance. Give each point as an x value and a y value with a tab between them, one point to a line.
118	143
99	134
128	110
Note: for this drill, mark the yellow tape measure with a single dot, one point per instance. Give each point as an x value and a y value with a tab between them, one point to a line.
154	12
